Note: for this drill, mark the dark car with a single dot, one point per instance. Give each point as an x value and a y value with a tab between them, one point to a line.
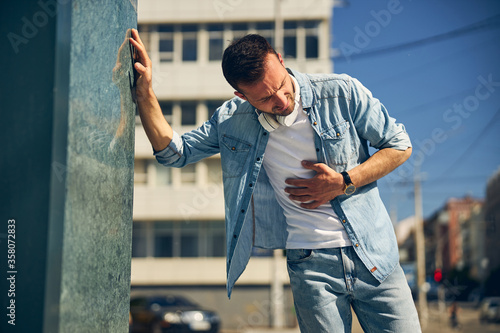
489	311
169	313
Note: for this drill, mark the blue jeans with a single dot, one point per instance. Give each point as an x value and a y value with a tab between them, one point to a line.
327	282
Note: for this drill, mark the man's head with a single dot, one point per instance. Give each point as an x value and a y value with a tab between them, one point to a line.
258	74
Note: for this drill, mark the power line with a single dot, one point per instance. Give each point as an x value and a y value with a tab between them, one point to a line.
436	101
464	52
474	143
487	23
437	182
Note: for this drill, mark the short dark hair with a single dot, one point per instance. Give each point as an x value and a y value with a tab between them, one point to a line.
244	60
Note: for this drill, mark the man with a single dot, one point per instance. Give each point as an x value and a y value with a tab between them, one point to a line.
297	175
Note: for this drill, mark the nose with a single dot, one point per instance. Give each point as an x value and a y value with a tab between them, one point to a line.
281	99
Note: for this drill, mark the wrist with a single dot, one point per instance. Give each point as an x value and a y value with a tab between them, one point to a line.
349	187
145	97
145	91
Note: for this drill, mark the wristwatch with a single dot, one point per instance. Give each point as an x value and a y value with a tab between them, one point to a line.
349	186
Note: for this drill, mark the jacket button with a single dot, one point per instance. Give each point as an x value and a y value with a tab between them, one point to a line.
233	148
315	123
343	221
242	210
258	159
265	133
357	245
338	134
317	149
235	236
250	184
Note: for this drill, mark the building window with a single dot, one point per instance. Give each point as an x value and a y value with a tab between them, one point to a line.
150	172
239	30
163	174
215	41
166	46
180	239
189	239
266	30
139	243
189	42
290	39
164	246
166	109
164	239
140	171
188	174
214	170
212	106
217	239
312	39
180	42
188	109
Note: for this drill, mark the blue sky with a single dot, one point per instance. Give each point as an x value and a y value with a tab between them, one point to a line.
446	89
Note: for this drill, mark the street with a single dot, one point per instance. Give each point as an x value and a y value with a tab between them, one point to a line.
468	318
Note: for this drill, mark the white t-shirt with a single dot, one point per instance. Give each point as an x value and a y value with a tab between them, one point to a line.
286	148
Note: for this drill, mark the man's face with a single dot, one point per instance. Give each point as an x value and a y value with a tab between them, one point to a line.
273	94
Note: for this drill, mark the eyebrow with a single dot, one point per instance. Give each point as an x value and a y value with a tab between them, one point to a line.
267	97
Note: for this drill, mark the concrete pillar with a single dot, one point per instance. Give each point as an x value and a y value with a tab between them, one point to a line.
67	165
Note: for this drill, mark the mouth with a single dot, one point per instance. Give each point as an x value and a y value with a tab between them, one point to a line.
285	108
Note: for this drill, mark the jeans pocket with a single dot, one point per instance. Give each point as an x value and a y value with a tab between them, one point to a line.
298	255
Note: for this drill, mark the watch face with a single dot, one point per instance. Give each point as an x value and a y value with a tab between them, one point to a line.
350	189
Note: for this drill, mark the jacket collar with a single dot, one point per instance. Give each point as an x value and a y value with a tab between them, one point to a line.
306	90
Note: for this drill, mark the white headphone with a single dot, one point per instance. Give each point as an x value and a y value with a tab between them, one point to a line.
270	122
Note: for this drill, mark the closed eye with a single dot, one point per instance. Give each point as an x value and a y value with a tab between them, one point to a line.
265	99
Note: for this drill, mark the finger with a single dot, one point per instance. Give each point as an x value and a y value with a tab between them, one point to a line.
140	68
297	190
135	35
138	46
300	198
311	205
297	182
141	50
135	41
318	167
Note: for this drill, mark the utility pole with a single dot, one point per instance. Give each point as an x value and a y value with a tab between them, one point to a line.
277	293
278	27
420	249
439	265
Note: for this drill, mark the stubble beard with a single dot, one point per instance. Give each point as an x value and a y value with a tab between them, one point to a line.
287	111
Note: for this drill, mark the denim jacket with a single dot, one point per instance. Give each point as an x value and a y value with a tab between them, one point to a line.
345	118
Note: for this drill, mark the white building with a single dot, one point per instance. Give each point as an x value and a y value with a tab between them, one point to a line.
179	238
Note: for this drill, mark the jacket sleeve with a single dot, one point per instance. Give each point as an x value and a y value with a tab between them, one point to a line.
372	121
192	146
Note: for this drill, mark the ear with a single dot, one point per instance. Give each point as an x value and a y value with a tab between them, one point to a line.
281	59
240	95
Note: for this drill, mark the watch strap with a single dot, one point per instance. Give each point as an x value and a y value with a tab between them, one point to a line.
347	178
